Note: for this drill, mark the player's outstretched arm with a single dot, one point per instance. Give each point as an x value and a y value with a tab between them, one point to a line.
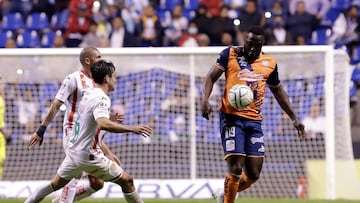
212	76
284	102
108	125
38	136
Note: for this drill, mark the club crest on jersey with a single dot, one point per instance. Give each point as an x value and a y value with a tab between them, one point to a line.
242	61
265	62
102	104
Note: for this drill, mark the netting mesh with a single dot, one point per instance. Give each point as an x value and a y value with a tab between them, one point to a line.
164	91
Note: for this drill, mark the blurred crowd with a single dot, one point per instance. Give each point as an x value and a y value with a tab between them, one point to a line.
191	23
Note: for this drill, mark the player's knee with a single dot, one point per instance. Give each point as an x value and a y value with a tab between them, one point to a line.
126	182
235	164
236	170
253	175
129	181
96	183
115	169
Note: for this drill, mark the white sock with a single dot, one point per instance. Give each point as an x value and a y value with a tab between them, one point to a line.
68	192
133	197
83	189
40	193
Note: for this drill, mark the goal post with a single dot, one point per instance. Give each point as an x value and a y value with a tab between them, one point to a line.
162	87
329	62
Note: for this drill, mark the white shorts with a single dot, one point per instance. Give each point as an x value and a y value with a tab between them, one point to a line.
98	166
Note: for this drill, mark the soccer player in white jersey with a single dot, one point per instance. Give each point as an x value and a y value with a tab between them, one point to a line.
70	93
84	148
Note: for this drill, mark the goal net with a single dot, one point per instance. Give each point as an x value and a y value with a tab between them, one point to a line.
162	87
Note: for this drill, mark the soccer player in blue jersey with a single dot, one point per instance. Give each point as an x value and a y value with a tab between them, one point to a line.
241	134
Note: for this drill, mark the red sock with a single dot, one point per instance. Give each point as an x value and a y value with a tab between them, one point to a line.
231	185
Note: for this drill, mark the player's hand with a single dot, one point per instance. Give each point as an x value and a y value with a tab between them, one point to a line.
35	138
143	130
117	117
300	128
206	109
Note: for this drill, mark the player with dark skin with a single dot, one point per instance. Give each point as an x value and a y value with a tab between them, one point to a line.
241	133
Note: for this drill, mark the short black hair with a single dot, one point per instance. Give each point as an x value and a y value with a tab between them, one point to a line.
257	30
100	69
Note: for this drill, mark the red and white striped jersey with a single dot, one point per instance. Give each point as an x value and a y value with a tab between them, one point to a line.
70	93
87	137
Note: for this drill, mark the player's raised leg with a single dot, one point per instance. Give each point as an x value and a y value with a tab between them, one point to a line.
40	193
87	186
78	189
251	173
68	192
126	183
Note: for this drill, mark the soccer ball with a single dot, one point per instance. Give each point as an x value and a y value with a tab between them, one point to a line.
240	96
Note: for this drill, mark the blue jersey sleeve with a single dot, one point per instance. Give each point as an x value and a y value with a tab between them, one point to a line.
223	58
273	77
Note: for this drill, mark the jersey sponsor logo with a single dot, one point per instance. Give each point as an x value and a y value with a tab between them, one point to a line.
245	74
103	105
254	140
230	145
261	149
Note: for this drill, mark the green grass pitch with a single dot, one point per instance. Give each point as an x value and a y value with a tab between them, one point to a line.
240	200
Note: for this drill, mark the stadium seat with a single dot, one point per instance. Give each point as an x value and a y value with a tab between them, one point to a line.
355	76
48	90
59	20
330	17
13	22
352	90
163	15
340	4
320	36
28	39
37	21
319	86
47	39
355	57
191	4
169	4
189	14
4	36
295	88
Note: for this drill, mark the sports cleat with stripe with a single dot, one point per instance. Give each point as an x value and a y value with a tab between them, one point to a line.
218	195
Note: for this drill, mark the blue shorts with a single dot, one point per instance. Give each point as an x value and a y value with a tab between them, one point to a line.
241	136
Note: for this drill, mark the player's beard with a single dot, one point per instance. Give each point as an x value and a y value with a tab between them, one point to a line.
251	57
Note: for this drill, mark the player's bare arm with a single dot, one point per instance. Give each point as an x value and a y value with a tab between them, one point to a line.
6	132
213	75
116	117
108	125
284	102
37	137
109	153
